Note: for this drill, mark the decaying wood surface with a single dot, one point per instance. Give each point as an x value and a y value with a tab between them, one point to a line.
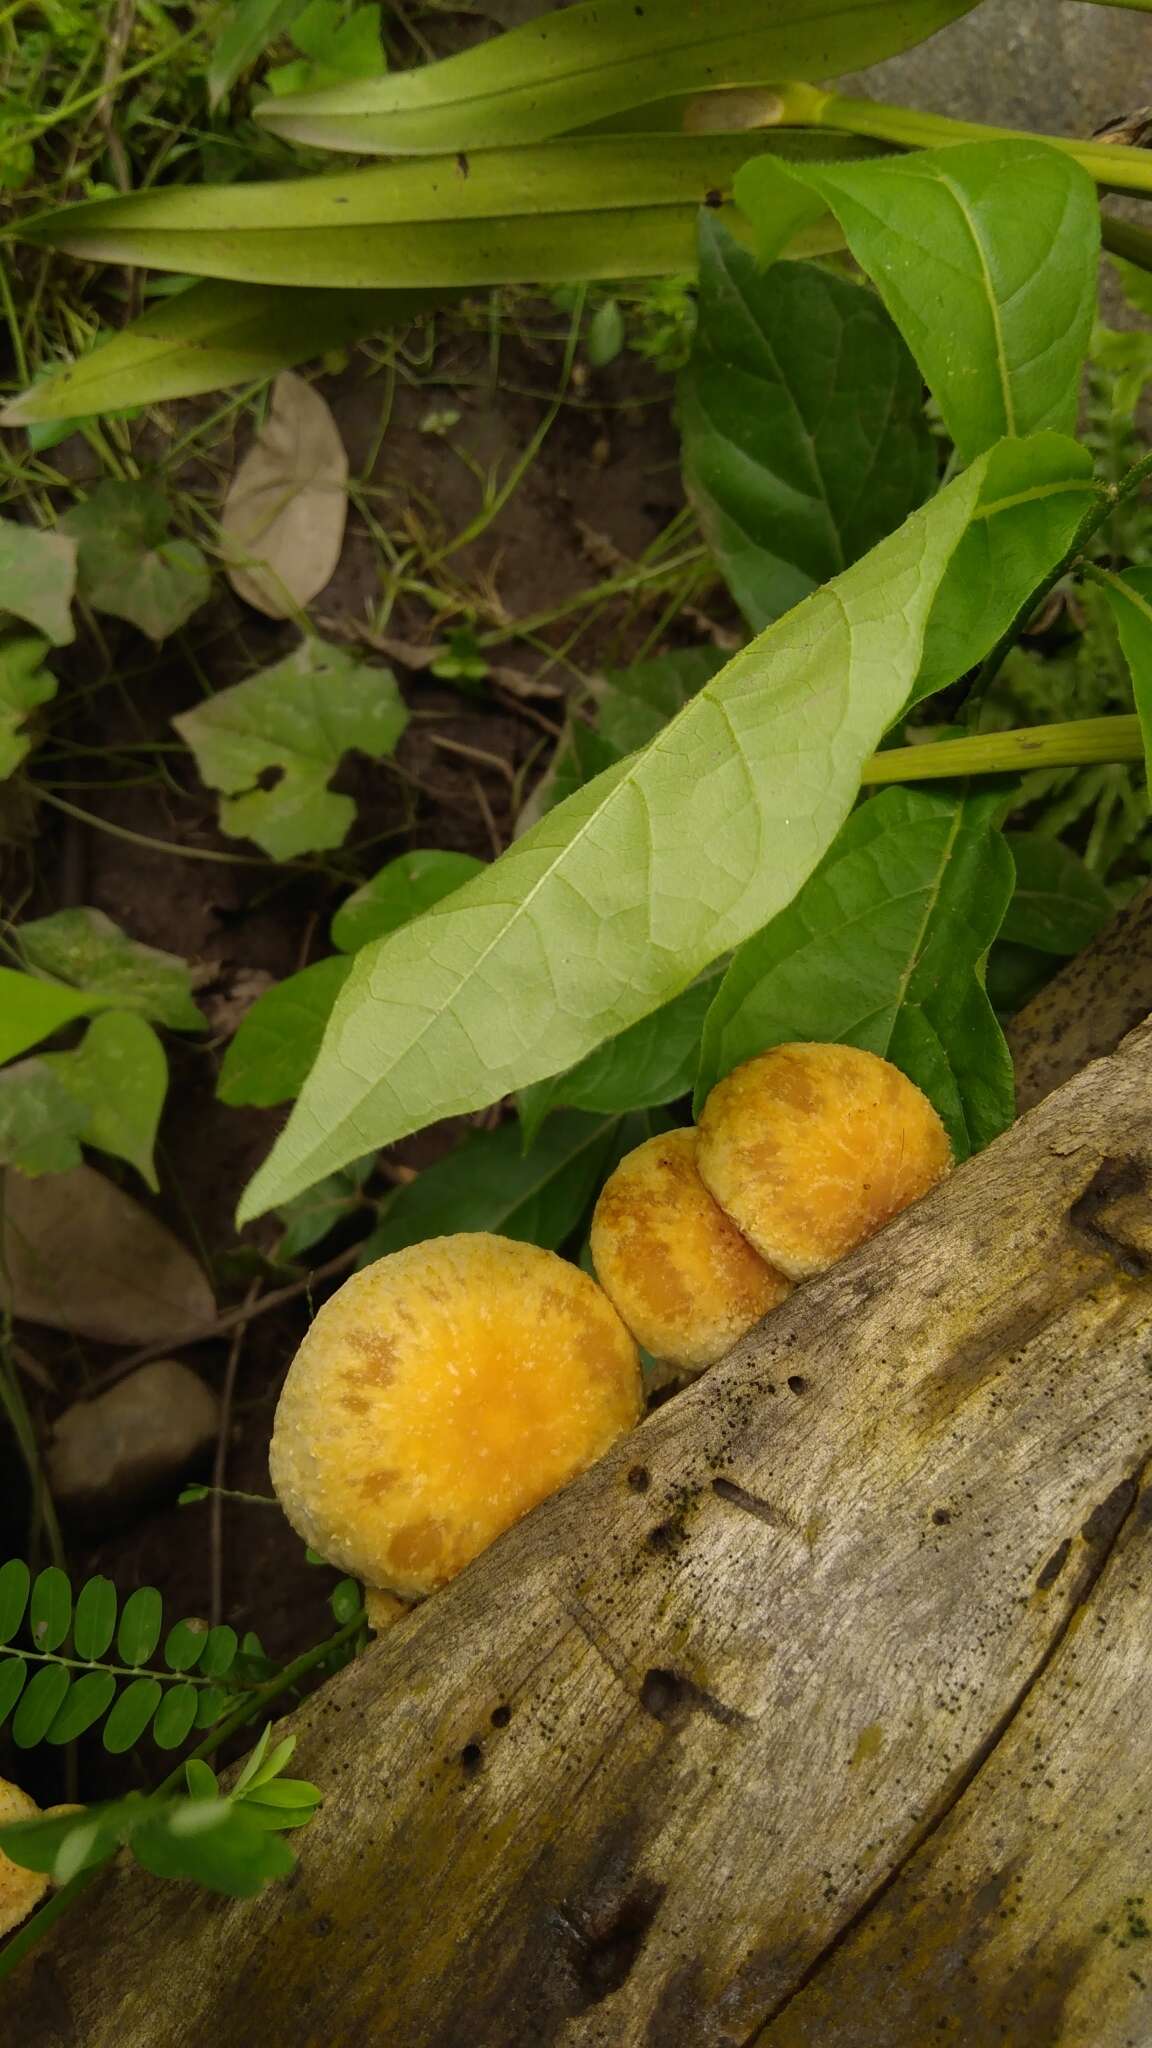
823	1692
1090	1006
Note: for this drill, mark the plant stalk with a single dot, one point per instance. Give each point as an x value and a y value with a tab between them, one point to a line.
1073	745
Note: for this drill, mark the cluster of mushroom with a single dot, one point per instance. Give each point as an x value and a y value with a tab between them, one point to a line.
21	1890
445	1390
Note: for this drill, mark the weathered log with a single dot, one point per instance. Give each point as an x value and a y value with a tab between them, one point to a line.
1088	1008
653	1770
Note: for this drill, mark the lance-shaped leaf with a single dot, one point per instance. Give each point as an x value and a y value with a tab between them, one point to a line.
884	948
622	895
802	413
25	684
293	723
595	60
1130	596
207	337
38	579
986	256
600	207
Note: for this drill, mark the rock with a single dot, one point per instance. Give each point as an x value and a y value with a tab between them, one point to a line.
132	1441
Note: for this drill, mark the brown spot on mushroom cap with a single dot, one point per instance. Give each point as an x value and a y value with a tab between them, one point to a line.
508	1372
20	1890
675	1266
810	1148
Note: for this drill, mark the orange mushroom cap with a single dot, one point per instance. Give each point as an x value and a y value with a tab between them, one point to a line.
20	1890
810	1148
439	1395
675	1266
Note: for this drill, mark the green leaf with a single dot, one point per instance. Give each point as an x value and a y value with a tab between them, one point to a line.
986	255
31	1009
411	883
213	1704
85	948
802	413
50	1608
201	1780
185	1646
1034	496
599	59
219	1653
210	336
175	1716
647	1066
117	1077
86	1703
337	47
266	1765
601	207
140	1625
132	1713
1130	598
40	1703
13	1673
38	579
24	685
15	1585
312	1215
279	1037
1058	905
346	1599
231	1854
884	948
253	1761
300	717
634	704
41	1121
42	1844
605	336
625	893
490	1183
128	566
95	1621
253	24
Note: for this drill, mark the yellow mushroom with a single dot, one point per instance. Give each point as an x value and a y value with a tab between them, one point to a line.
673	1264
20	1890
810	1148
439	1395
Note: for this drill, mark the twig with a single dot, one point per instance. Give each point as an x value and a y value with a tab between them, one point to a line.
119	36
220	1462
229	1319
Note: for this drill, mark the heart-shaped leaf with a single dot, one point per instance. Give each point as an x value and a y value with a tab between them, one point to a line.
285	512
128	565
38	579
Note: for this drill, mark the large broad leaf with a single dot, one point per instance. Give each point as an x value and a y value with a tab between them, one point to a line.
621	896
986	256
802	413
25	684
85	948
280	1036
206	337
602	207
287	505
1130	596
128	564
594	60
491	1183
1032	502
296	719
38	579
649	1065
884	948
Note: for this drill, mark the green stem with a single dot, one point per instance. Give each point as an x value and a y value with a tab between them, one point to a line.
1112	164
95	1664
1074	745
34	1929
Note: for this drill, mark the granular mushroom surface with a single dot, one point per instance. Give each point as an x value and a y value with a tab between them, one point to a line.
681	1275
811	1148
20	1890
439	1395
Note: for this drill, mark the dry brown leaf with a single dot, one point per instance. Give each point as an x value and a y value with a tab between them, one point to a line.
78	1254
284	515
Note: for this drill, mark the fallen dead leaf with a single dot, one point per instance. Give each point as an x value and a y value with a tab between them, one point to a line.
78	1254
286	507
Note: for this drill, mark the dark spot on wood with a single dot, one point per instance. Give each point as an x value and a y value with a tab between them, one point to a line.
666	1538
500	1716
672	1699
610	1941
1106	1518
322	1925
639	1478
941	1517
471	1759
713	198
1055	1565
796	1384
1115	1180
750	1503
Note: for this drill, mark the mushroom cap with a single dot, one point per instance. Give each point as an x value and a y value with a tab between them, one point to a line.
439	1395
810	1148
672	1263
20	1890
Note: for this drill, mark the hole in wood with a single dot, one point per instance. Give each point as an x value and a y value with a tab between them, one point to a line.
639	1478
471	1759
610	1948
797	1384
500	1716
